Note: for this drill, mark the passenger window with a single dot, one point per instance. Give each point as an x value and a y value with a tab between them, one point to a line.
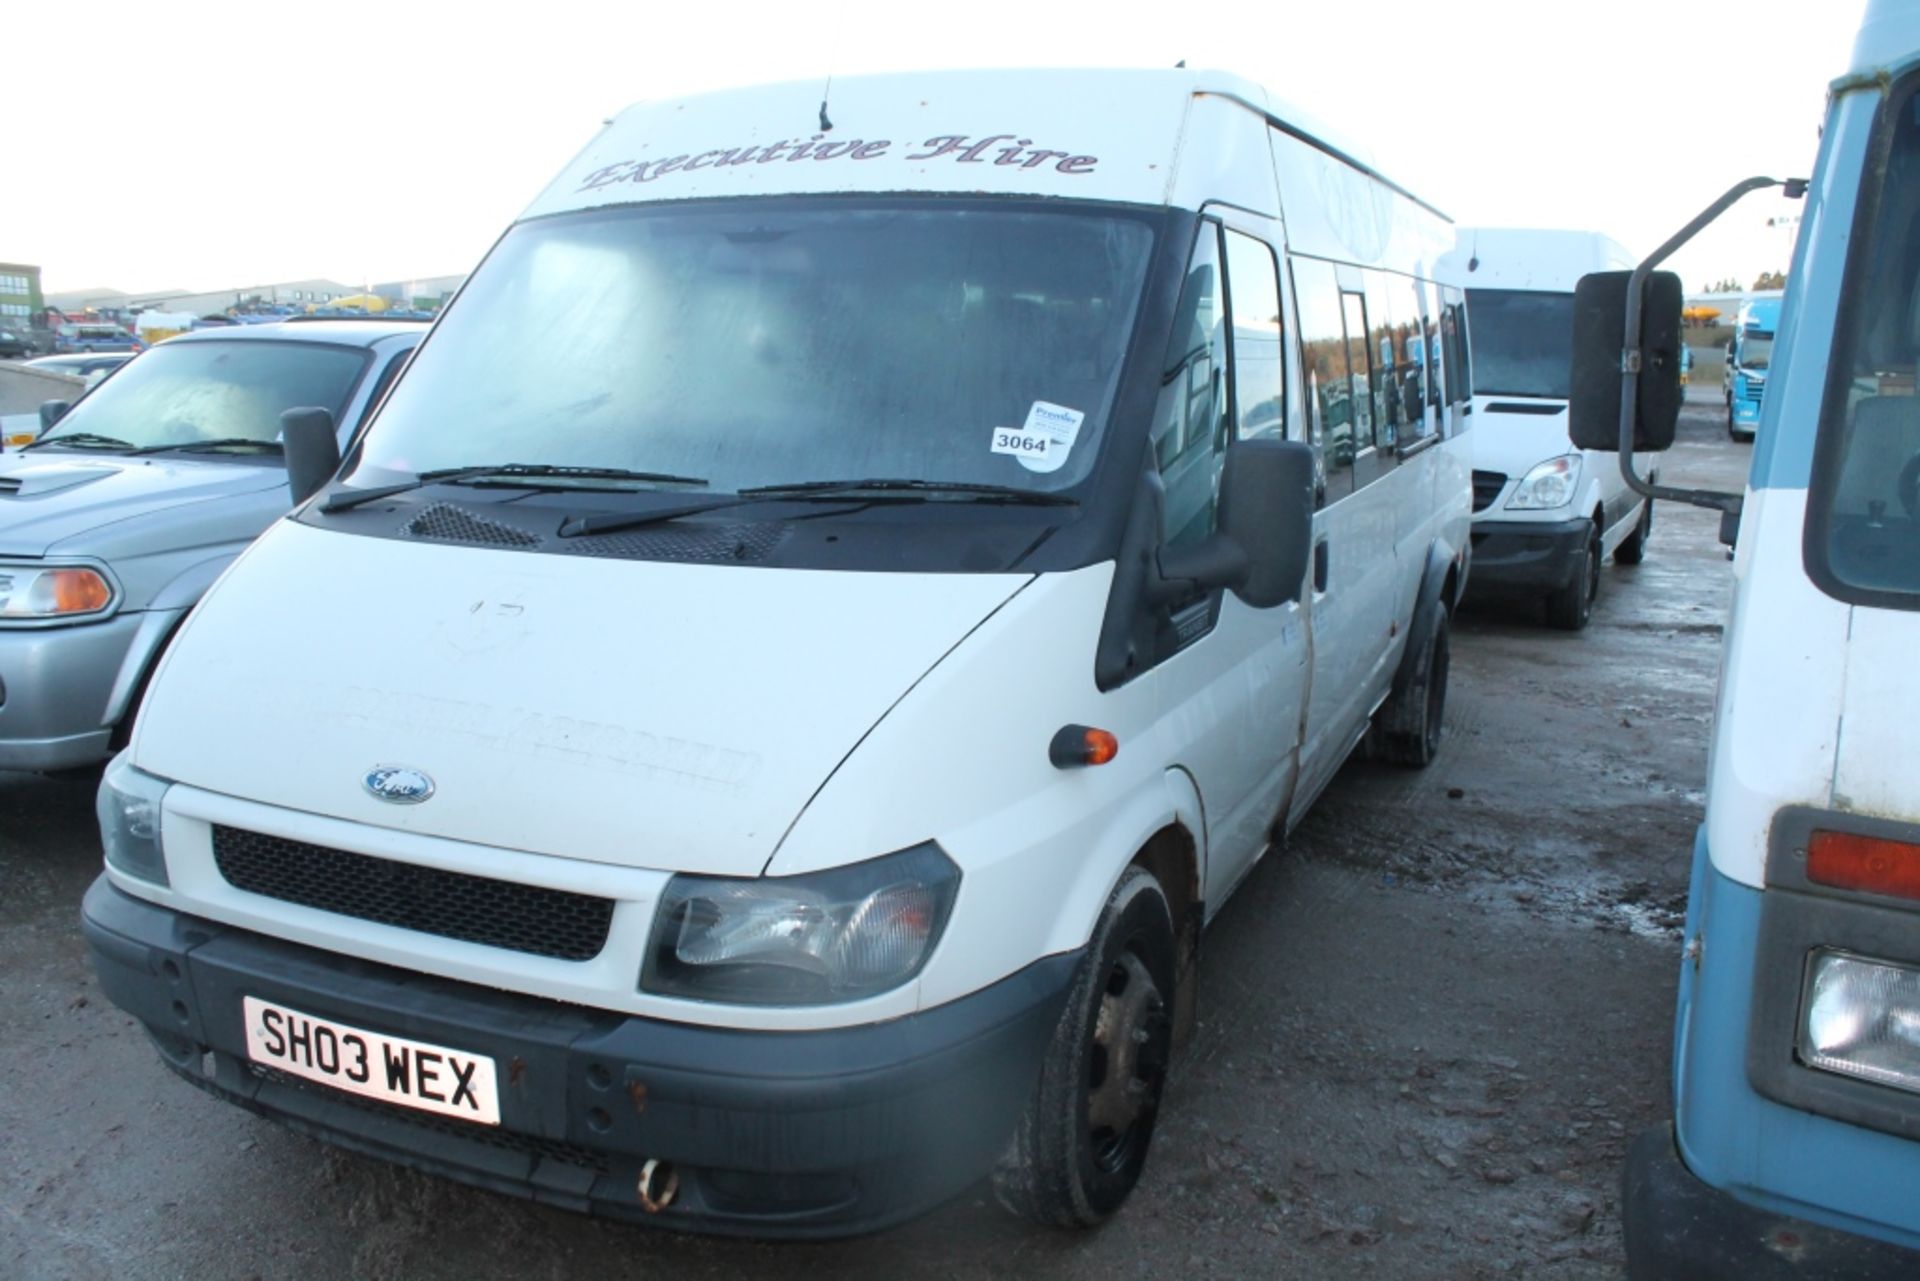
1323	358
1359	370
1253	292
1385	346
1459	349
1191	423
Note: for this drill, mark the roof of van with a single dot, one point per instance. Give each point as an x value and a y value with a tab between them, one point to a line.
1889	37
1093	134
1543	258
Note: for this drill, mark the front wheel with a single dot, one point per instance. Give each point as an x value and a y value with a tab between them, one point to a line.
1633	549
1082	1141
1570	608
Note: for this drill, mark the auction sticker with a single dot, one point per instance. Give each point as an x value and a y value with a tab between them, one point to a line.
1043	442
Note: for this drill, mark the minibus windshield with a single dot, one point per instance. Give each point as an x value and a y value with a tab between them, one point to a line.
1522	342
1863	520
1754	351
184	395
764	342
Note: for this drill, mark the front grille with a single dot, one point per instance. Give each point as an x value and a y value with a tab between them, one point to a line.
473	909
11	484
1754	390
1486	487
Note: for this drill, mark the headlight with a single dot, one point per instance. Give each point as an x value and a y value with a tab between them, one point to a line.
817	939
1548	485
129	810
1862	1018
32	592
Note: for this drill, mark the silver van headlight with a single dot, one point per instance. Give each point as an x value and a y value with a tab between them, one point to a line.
817	939
129	809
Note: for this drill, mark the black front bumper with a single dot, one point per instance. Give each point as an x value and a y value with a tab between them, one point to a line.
1678	1226
773	1134
1527	555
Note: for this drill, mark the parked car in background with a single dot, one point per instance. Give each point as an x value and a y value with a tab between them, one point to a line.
121	514
15	344
1545	514
89	337
90	366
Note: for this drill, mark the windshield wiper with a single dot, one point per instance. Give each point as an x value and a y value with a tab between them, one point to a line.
516	472
84	439
218	442
890	484
813	491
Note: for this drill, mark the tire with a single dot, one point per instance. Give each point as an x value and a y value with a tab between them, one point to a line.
1082	1141
1570	608
1633	549
1408	727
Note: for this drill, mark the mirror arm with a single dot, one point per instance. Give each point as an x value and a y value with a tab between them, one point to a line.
1630	347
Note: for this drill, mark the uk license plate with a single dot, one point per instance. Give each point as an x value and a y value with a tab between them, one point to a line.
392	1069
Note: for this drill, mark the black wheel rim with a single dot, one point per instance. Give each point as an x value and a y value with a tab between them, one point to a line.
1132	1037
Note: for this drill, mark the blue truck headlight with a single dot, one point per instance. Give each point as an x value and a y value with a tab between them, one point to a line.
818	939
129	809
1861	1018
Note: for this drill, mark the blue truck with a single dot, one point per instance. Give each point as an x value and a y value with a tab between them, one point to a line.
1747	357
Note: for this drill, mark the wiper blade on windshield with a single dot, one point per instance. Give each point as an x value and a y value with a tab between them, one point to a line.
218	442
887	484
514	471
85	439
812	491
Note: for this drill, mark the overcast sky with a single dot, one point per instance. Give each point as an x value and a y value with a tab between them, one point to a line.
204	144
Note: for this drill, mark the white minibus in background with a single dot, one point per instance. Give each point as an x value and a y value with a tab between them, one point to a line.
1545	514
752	732
1794	1149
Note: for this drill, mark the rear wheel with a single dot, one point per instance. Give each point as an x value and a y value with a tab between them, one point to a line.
1083	1138
1408	726
1571	607
1633	549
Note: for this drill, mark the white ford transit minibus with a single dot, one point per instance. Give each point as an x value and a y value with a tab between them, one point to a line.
1545	514
753	730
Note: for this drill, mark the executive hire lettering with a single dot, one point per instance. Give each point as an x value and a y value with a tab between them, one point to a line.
1001	149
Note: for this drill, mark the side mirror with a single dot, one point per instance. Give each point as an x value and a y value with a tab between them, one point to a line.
1265	530
312	451
1599	325
51	412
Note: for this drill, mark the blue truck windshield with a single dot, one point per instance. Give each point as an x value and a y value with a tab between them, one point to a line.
1863	531
772	343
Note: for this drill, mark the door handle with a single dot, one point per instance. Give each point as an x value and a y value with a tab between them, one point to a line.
1320	559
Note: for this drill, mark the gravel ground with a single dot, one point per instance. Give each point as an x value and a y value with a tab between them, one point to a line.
1429	1028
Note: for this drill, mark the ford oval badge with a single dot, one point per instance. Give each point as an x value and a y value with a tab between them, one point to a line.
397	785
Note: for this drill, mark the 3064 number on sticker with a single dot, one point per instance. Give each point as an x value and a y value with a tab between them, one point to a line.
1021	444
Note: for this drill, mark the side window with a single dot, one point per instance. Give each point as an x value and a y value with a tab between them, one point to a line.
1253	293
1191	424
1359	370
1459	346
1384	344
1323	361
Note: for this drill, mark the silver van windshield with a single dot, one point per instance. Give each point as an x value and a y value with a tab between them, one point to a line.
763	343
